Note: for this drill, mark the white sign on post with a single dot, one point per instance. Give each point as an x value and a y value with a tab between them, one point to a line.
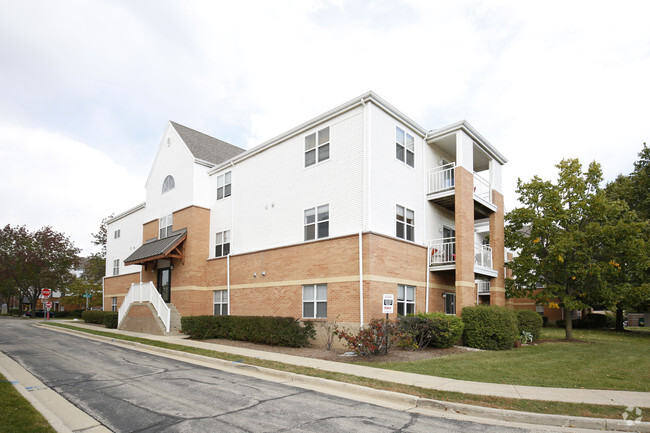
388	303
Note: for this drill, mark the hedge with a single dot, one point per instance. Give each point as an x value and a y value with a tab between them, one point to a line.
106	318
69	313
591	321
277	331
490	327
530	321
430	329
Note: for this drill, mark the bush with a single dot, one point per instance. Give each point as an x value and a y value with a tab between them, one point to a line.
560	323
93	316
430	329
110	319
544	321
597	321
371	340
71	313
530	321
277	331
490	327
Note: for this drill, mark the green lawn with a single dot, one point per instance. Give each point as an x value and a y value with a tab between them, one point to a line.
599	360
17	415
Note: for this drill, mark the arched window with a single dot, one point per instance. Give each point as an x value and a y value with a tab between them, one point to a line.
168	184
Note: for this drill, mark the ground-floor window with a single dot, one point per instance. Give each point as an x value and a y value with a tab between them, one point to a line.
314	301
539	309
405	299
450	303
114	303
220	302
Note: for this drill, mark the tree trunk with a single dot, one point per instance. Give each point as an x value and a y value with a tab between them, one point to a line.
568	324
619	318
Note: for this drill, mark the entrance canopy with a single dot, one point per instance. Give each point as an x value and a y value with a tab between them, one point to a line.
173	246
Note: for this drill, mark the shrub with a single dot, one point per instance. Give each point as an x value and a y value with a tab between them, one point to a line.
544	321
371	339
93	316
70	313
529	321
110	319
430	329
278	331
490	327
597	321
561	323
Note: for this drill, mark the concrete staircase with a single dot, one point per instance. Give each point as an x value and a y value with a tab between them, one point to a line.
174	320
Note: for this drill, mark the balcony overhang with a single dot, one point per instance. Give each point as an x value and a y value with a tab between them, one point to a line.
171	247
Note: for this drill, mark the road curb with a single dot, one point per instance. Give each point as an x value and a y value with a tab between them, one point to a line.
382	397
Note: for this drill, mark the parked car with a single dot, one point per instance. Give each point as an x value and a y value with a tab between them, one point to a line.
41	313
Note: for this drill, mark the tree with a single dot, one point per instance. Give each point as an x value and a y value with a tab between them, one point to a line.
36	260
78	290
556	234
94	266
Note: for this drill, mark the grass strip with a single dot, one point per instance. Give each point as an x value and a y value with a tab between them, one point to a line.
536	406
17	415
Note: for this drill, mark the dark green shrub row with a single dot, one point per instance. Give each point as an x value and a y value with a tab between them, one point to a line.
72	313
490	327
278	331
591	321
430	329
106	318
530	321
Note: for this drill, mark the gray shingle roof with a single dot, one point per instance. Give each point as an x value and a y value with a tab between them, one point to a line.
158	247
205	147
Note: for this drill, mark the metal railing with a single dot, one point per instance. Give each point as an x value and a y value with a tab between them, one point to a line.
483	287
442	178
483	255
443	251
145	292
482	188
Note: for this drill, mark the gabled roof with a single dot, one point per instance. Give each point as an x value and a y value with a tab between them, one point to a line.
157	249
204	147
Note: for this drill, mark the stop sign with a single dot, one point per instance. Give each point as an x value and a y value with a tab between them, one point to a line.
46	293
48	304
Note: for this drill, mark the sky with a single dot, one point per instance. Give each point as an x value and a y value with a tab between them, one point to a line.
87	86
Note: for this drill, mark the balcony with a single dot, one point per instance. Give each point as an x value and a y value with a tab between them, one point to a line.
443	257
441	190
483	287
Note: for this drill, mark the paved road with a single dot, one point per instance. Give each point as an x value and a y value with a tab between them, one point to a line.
130	391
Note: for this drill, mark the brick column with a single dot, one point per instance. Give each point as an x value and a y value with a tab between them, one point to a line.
497	239
465	287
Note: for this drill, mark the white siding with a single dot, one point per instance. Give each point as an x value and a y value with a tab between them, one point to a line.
272	189
130	227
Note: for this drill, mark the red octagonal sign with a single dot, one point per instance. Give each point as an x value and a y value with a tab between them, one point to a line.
48	304
46	293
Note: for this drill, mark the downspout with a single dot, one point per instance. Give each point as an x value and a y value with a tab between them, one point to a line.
232	237
363	201
228	281
426	309
424	224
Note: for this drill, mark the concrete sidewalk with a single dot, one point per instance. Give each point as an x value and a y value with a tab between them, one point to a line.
591	396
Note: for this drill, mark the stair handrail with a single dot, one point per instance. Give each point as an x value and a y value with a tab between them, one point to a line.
145	292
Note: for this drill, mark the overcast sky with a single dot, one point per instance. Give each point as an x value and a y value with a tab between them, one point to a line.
87	86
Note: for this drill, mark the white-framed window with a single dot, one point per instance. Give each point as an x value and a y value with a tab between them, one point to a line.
116	234
114	303
405	220
224	185
450	303
317	147
539	309
317	222
165	225
168	184
222	244
314	301
405	147
405	299
116	267
220	302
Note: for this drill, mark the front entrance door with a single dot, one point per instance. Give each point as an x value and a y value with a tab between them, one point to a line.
165	283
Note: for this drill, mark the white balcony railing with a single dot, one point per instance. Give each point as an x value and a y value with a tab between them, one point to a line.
483	255
483	287
482	188
443	251
145	292
442	178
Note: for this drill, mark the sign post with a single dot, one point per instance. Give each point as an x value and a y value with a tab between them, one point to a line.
45	293
388	309
48	305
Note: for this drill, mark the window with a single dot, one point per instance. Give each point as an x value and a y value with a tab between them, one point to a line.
317	222
222	244
314	301
450	303
114	303
405	223
405	147
168	184
224	185
165	225
116	234
405	300
317	147
220	301
539	309
116	267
